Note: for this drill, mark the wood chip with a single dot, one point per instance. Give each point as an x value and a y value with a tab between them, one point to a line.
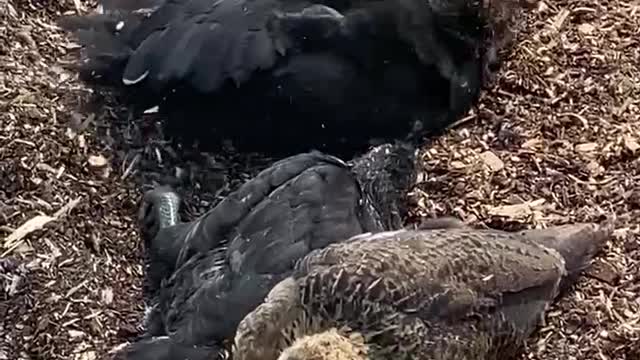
586	147
492	160
531	143
34	224
78	6
97	161
75	333
631	143
586	28
560	19
458	164
604	272
595	168
516	211
86	355
106	295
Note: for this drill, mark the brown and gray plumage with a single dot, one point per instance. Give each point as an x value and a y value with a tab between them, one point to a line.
437	294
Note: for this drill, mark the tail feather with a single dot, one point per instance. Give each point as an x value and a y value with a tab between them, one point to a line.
104	52
577	243
107	39
96	22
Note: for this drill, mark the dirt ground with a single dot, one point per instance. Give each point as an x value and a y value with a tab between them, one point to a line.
556	140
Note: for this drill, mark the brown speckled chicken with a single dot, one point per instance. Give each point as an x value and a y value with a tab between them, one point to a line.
438	294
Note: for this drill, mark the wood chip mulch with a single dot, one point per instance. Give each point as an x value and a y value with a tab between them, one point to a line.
555	140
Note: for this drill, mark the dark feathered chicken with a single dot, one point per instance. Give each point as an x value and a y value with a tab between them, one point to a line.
229	259
446	294
288	76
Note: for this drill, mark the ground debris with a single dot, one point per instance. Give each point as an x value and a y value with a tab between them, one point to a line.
81	294
569	92
563	120
35	223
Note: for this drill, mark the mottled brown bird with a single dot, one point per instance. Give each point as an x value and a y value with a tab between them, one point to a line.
438	294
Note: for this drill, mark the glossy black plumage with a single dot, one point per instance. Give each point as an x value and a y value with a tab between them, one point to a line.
228	260
289	76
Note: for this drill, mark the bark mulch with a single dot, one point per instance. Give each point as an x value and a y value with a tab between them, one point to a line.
555	140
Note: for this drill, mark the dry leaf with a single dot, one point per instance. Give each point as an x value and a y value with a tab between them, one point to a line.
78	6
70	133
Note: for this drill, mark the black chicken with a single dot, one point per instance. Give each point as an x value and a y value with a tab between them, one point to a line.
287	76
230	258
